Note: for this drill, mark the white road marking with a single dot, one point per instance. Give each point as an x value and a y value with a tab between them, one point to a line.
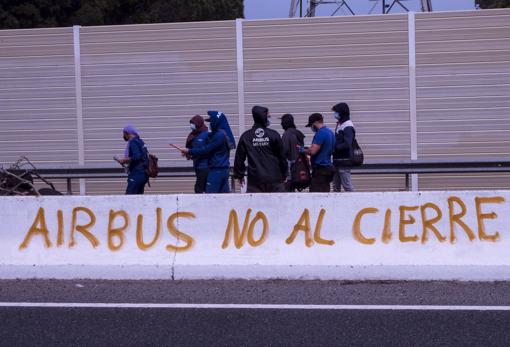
256	306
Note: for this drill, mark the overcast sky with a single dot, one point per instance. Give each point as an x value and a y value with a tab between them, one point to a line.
254	9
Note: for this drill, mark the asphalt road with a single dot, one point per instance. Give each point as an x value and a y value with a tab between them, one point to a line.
394	325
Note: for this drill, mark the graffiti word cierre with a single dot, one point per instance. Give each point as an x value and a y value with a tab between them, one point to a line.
430	215
118	224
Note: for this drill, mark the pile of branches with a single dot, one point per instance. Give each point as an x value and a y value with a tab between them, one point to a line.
19	178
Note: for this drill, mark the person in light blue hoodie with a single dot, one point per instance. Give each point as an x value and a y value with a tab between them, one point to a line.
217	151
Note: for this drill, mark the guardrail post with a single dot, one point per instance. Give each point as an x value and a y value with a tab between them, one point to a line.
232	184
69	186
408	182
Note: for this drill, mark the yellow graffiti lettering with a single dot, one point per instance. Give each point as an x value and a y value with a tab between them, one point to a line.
428	224
480	216
117	232
139	231
403	222
188	240
83	229
38	227
356	226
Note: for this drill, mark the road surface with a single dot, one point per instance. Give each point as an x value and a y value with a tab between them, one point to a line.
253	313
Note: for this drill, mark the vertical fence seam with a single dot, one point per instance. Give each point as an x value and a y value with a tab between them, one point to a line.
79	104
240	74
411	30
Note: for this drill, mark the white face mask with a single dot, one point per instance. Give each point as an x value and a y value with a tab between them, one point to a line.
337	116
268	122
193	126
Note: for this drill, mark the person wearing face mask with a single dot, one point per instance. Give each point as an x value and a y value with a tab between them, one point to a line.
345	135
217	151
321	150
196	139
136	159
267	165
292	139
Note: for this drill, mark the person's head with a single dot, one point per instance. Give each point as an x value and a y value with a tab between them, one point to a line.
342	112
129	132
261	116
214	120
196	123
315	121
287	121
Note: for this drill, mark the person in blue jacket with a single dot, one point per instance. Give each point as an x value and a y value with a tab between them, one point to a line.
217	151
197	138
136	159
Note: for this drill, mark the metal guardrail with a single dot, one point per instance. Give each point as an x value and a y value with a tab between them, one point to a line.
372	168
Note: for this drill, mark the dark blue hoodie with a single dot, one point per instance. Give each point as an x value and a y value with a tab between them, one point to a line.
219	142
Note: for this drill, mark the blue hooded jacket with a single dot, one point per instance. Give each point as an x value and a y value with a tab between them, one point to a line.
218	144
199	162
221	122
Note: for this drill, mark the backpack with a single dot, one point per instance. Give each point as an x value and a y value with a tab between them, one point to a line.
152	167
151	163
300	173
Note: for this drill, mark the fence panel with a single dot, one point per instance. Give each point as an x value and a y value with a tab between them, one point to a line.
303	66
37	96
463	84
155	77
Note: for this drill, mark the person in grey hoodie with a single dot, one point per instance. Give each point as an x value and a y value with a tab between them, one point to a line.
292	140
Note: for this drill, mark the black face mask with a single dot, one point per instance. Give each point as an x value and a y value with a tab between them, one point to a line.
125	137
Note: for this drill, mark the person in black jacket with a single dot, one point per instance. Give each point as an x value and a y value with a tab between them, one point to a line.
345	134
267	165
292	139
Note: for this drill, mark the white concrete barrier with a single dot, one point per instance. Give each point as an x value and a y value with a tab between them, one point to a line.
359	236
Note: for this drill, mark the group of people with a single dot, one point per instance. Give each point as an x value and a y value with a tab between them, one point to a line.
262	156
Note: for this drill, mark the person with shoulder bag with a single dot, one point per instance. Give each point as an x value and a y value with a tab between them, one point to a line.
136	159
322	147
345	136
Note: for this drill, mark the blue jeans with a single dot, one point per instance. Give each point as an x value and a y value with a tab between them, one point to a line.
136	183
217	181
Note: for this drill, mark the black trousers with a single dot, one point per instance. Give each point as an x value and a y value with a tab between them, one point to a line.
321	179
265	187
201	181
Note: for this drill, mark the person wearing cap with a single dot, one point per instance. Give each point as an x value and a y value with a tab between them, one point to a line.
217	151
267	165
345	135
321	150
136	160
292	139
197	138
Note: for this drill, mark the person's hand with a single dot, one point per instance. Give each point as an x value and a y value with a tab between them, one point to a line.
121	161
241	181
184	152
